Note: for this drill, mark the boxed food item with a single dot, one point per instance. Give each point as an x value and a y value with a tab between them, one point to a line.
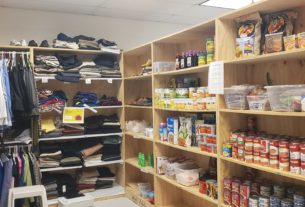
249	35
301	40
290	42
172	130
161	163
185	132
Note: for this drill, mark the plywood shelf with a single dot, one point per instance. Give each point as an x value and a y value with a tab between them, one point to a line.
138	107
264	113
191	189
198	69
52	49
196	150
265	169
185	110
139	136
134	162
139	77
79	136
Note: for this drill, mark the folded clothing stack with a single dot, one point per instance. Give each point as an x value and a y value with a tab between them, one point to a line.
108	46
82	99
92	179
70	64
46	65
109	66
90	70
88	45
50	183
50	160
51	100
110	101
112	148
102	124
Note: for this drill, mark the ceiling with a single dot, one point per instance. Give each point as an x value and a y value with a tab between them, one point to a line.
186	12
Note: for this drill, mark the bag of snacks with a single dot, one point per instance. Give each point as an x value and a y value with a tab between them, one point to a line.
277	25
290	42
301	40
185	132
248	35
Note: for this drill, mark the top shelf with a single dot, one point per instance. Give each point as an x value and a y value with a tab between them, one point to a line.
198	69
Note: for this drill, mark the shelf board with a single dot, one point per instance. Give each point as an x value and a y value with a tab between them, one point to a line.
52	49
196	150
139	136
139	77
179	110
101	163
116	190
192	189
10	47
133	194
79	137
134	162
47	78
197	69
265	113
265	169
138	107
278	56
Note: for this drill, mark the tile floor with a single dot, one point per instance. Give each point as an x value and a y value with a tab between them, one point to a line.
117	202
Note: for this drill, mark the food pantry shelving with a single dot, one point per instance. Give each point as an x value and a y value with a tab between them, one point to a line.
284	67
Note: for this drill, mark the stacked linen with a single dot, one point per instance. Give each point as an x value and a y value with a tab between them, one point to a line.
47	65
102	124
51	100
112	148
90	70
108	46
109	66
110	101
50	160
50	183
70	64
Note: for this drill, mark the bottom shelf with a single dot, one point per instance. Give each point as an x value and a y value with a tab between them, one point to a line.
192	189
133	194
99	194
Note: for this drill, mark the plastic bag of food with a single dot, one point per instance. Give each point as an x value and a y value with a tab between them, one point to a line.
279	24
248	35
185	132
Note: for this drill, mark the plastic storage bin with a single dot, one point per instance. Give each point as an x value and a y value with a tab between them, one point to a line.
187	174
163	66
236	96
285	97
258	103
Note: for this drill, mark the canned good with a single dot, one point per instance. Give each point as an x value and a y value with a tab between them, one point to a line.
203	186
290	192
295	150
249	143
265	190
236	186
274	161
245	190
227	149
284	164
286	202
256	144
241	139
298	200
215	190
264	145
295	166
243	201
249	158
235	199
227	183
284	148
234	136
253	201
303	168
255	188
227	197
275	201
264	159
302	149
274	147
234	151
256	158
263	201
279	191
209	187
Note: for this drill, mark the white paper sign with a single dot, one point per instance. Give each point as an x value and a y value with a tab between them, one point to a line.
44	80
216	78
88	81
109	80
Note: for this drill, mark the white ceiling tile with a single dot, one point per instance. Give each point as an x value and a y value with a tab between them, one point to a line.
77	2
204	11
175	19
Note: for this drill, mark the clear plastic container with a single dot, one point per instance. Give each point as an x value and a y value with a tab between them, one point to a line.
285	98
163	66
187	168
258	103
144	189
236	96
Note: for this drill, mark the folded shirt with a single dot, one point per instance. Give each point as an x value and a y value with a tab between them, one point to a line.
68	77
63	44
70	161
88	45
47	60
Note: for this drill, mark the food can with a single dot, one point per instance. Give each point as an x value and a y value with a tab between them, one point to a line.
235	199
241	139
182	93
227	183
264	145
227	149
243	202
255	188
295	150
274	161
234	136
302	149
286	202
253	201
265	190
256	158
284	164
234	151
264	159
209	184
256	144
303	168
290	192
263	201
214	190
245	190
298	200
279	191
236	186
227	197
203	186
275	201
284	148
274	147
249	158
295	166
249	143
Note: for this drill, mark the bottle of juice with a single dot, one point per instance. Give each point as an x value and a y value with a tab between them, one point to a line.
195	58
178	58
182	61
189	60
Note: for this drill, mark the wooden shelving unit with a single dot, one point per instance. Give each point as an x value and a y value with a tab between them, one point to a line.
283	67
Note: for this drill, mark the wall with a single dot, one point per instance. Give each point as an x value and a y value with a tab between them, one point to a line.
38	25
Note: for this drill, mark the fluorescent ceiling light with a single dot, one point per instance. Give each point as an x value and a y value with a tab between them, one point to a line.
229	4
